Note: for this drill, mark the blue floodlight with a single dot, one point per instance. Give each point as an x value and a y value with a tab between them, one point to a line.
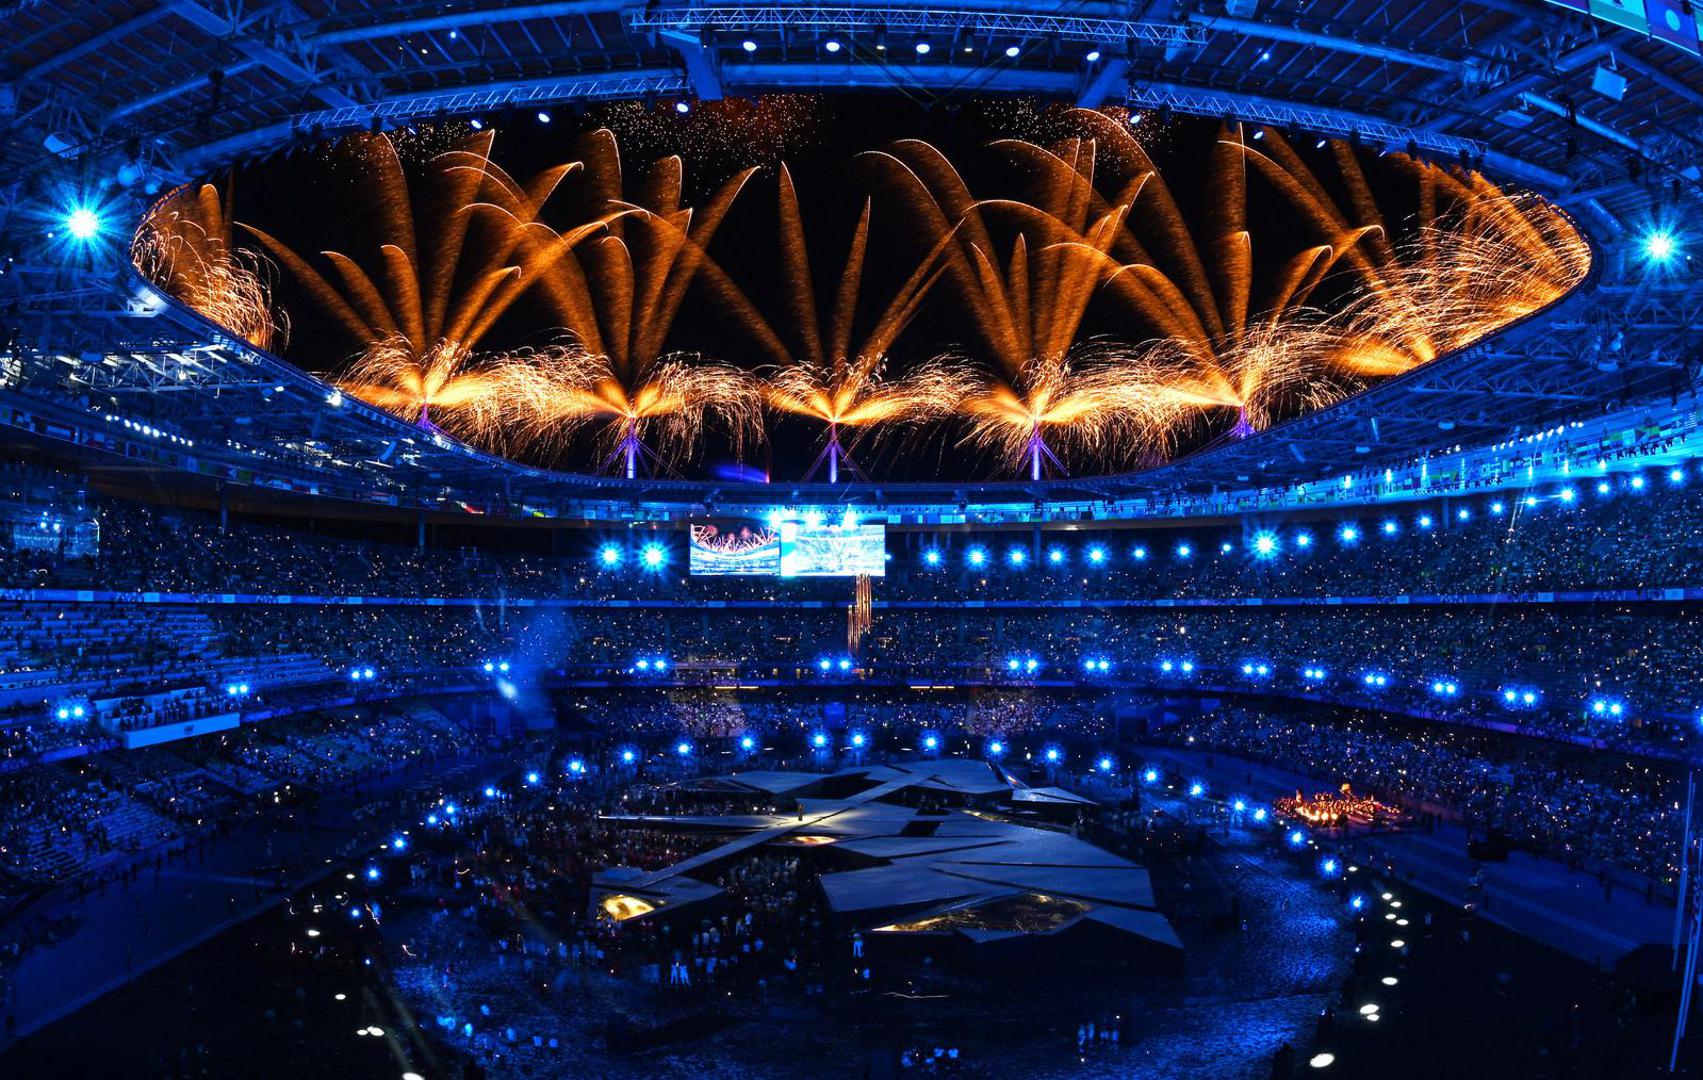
1297	838
1329	867
1052	755
654	556
1265	545
1303	540
845	663
1106	764
84	223
1259	813
819	740
609	555
576	766
977	556
931	742
858	739
1660	246
931	557
628	757
1197	789
1496	508
399	843
683	748
532	778
747	742
1097	555
1637	483
1150	776
1184	551
1017	556
1349	534
1390	528
1138	553
1187	666
1676	476
996	748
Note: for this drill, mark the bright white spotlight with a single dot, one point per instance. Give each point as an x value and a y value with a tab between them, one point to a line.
1660	246
922	48
1011	52
83	223
832	46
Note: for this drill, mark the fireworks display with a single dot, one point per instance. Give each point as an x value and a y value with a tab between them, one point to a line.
1080	315
185	247
837	382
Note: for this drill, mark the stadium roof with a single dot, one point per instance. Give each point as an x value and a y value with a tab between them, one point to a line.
106	103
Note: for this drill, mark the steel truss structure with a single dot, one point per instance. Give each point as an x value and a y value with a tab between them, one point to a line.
120	98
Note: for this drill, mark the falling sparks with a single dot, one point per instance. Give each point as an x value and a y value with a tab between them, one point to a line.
184	246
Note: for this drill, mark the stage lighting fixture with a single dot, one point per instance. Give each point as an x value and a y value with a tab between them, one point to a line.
1097	555
683	748
83	223
931	557
748	45
653	556
996	748
1184	551
682	107
976	556
1349	534
922	48
543	117
1303	540
1012	51
1265	544
930	742
1139	554
1017	556
1660	246
609	555
1093	56
831	45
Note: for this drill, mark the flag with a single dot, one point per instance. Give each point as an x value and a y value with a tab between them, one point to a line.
1672	21
1627	13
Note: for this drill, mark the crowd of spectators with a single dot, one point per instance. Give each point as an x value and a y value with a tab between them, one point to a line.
1584	810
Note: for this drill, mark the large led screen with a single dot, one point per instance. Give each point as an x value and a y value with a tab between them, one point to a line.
843	550
802	546
734	549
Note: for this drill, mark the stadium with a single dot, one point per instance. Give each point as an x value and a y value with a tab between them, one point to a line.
587	538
